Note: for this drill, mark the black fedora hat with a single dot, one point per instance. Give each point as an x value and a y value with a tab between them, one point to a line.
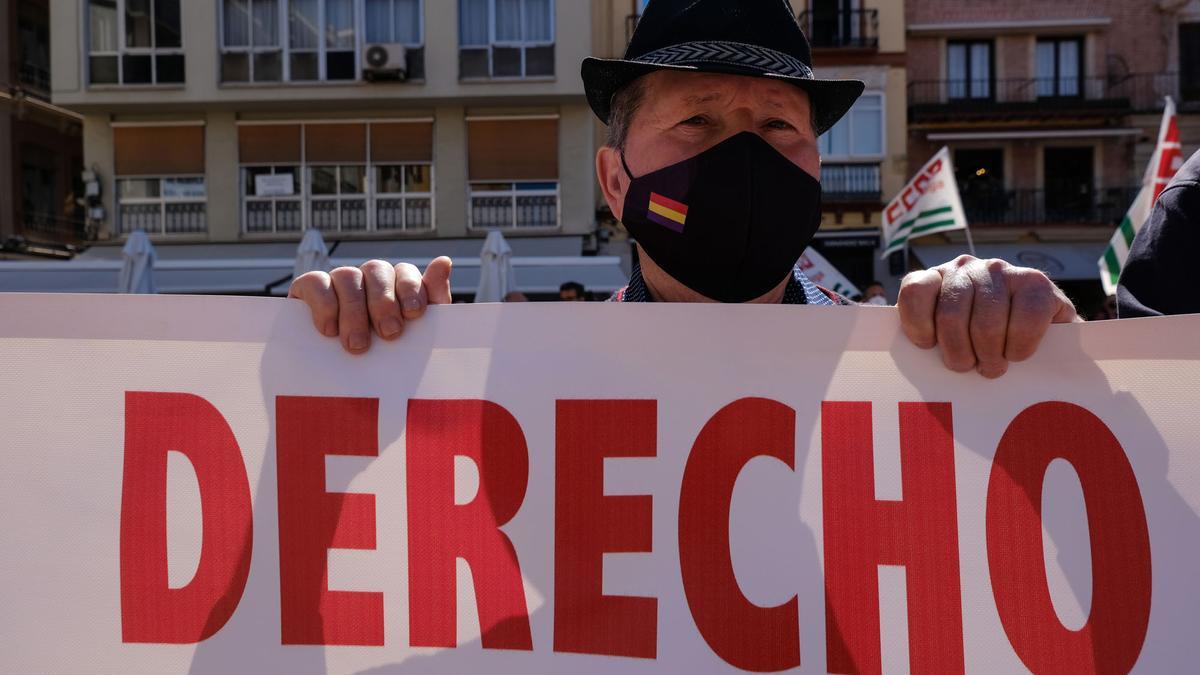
759	38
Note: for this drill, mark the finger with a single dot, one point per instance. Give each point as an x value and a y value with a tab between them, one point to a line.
917	302
353	321
1036	303
379	282
952	320
316	290
410	291
989	316
437	281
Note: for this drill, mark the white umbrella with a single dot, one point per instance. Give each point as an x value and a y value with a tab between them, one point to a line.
137	265
312	255
495	269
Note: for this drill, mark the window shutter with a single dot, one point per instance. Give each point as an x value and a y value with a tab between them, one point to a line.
510	150
159	150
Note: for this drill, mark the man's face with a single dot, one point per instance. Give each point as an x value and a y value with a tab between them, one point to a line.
684	114
875	291
569	295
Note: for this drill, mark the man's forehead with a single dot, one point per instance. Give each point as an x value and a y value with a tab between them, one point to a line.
674	87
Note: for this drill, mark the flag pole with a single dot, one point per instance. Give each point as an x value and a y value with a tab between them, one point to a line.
970	241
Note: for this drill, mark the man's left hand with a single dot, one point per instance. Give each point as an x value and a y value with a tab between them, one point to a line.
984	314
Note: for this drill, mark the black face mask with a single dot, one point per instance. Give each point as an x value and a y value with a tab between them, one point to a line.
729	223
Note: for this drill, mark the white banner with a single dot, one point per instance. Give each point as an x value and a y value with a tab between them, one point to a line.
206	485
822	272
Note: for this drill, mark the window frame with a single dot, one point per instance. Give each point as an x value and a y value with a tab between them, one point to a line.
968	83
253	49
305	196
523	45
1057	79
162	201
419	44
122	51
851	157
514	193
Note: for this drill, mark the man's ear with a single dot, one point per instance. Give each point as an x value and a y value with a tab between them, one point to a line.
613	180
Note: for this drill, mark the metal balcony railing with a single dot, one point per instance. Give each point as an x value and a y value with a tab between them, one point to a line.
1104	207
1137	92
841	29
850	183
56	227
37	77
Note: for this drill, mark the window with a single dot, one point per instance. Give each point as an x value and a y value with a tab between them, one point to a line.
398	22
251	51
1059	67
313	40
513	172
857	135
337	177
161	193
162	205
506	38
969	65
134	42
1189	61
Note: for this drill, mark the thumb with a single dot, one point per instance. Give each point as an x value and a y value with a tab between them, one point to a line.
437	281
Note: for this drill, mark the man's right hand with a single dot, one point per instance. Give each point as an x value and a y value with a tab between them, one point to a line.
351	301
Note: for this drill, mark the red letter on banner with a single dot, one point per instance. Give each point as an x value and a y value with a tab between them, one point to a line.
312	521
439	531
156	423
587	525
746	636
1112	638
861	533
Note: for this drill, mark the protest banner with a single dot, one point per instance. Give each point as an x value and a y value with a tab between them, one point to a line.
206	485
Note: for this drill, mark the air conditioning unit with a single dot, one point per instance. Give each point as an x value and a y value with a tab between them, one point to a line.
385	62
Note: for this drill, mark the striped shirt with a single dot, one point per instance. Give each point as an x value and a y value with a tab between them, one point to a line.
799	291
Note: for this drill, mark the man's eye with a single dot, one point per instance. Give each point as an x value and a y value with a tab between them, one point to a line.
779	125
695	121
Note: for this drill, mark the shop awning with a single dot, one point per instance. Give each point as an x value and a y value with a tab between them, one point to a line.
540	266
1061	261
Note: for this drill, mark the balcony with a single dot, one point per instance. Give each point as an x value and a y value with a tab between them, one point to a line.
34	77
841	29
964	100
851	184
1028	208
45	226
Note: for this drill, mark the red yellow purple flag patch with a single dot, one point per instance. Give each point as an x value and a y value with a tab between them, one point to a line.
667	212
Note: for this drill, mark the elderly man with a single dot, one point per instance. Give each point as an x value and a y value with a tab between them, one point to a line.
712	165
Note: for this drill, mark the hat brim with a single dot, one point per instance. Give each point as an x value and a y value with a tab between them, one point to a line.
603	78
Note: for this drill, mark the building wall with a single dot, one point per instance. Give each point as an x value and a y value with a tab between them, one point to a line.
441	95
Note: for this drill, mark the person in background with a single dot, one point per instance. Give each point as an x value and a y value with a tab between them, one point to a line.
1107	311
572	291
515	296
1157	279
876	294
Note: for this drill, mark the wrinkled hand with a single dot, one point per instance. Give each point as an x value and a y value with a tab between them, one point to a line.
351	301
983	313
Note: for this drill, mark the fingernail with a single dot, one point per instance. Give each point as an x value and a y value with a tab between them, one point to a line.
359	341
390	327
331	328
411	304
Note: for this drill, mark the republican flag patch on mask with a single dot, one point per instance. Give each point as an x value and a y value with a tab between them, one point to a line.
667	212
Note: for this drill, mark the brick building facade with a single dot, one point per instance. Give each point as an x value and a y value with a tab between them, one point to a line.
1051	112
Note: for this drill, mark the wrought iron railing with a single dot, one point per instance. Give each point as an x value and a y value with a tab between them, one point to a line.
37	77
851	183
841	29
1103	207
38	225
1137	92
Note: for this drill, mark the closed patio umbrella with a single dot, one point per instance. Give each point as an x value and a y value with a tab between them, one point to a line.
495	270
312	255
137	265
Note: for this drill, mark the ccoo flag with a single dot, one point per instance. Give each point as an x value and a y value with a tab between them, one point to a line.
927	205
1164	164
821	271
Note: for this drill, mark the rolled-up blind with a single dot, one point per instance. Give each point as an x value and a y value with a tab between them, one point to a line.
158	150
269	144
504	150
402	142
335	143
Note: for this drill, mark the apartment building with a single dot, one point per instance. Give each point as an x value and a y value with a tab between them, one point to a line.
1051	111
41	153
864	157
398	128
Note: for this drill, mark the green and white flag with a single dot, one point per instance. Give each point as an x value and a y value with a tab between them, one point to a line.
1164	164
821	271
927	205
